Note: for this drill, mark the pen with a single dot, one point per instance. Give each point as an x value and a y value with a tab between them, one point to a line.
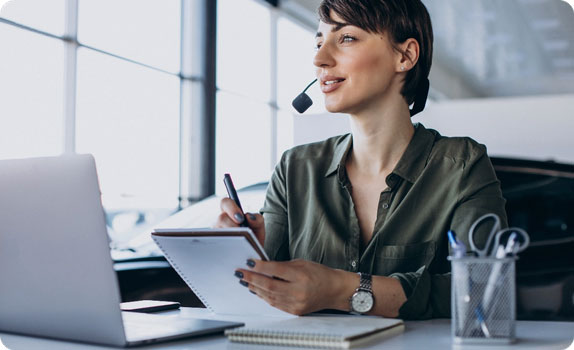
501	252
458	248
493	277
511	247
459	251
233	195
481	321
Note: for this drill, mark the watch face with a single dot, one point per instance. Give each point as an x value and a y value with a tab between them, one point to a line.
362	301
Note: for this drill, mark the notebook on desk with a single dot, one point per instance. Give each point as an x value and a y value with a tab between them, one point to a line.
57	275
319	331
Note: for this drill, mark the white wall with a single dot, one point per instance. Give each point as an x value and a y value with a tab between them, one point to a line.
317	127
527	127
540	128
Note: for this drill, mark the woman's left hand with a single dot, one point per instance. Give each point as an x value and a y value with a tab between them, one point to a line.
297	287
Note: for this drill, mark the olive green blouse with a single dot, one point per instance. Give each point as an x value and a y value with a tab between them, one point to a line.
440	183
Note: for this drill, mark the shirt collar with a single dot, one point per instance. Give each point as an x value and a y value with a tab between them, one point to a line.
415	158
340	154
411	164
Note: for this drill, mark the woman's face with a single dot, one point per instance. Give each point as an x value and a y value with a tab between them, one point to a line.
357	70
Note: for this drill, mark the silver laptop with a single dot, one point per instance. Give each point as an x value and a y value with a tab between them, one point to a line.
56	273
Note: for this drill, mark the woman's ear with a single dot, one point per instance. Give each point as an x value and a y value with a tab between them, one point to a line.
409	54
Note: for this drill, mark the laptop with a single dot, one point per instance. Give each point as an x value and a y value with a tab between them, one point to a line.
56	273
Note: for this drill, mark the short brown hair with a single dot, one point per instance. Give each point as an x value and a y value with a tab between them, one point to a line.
400	19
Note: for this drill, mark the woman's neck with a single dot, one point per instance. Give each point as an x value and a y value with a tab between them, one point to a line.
379	139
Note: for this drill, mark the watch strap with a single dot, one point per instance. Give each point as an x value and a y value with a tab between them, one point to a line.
365	282
365	286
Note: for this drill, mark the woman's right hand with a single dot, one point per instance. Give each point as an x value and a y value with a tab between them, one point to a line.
231	217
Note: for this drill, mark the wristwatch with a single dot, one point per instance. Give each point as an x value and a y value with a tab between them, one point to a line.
363	300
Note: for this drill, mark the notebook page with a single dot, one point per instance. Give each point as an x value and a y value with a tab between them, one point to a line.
207	265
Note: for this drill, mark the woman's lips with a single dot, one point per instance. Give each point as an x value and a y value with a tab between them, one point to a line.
331	85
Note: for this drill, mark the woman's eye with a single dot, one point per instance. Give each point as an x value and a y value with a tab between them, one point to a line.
347	39
317	46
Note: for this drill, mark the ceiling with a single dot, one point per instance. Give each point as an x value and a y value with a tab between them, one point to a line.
493	48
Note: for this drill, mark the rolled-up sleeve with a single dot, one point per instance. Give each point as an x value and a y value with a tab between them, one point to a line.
428	294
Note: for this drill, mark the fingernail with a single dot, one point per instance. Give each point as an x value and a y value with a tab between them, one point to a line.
252	292
239	217
238	274
252	217
243	283
250	263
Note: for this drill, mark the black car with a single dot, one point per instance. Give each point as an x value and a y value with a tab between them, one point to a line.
540	199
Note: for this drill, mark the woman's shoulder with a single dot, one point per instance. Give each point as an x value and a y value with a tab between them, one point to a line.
457	148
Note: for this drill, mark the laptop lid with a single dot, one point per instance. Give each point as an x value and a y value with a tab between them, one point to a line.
56	272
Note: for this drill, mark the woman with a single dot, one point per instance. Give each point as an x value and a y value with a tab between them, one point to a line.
380	200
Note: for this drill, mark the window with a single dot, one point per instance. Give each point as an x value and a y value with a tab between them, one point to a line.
244	48
243	141
111	88
128	118
128	107
254	99
128	84
244	118
47	16
146	31
31	90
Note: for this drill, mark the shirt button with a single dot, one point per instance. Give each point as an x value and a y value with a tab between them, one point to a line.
385	206
354	263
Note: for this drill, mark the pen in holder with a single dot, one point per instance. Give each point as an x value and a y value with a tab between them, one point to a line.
483	300
483	293
483	290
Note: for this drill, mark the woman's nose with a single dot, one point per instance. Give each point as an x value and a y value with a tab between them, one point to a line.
323	57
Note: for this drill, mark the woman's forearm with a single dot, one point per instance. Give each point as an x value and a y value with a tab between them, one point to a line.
387	291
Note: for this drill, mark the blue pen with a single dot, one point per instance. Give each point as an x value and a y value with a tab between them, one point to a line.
459	251
458	248
481	321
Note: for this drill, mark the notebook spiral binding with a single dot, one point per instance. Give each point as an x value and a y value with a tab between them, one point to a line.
266	337
186	280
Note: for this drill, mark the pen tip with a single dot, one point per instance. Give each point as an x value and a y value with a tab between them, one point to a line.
451	235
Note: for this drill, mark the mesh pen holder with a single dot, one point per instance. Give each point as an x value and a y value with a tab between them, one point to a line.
483	300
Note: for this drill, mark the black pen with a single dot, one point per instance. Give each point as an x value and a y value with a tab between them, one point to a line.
233	195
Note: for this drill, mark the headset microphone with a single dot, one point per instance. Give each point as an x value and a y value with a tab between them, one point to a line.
303	101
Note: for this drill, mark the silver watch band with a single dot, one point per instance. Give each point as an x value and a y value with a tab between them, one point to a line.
366	282
363	299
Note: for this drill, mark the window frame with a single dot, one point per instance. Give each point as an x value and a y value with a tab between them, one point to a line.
198	88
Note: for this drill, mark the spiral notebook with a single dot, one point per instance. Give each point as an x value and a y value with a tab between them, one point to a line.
340	332
206	260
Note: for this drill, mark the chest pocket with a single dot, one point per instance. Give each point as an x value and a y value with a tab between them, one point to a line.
403	258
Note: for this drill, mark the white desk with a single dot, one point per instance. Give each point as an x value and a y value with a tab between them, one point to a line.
432	334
